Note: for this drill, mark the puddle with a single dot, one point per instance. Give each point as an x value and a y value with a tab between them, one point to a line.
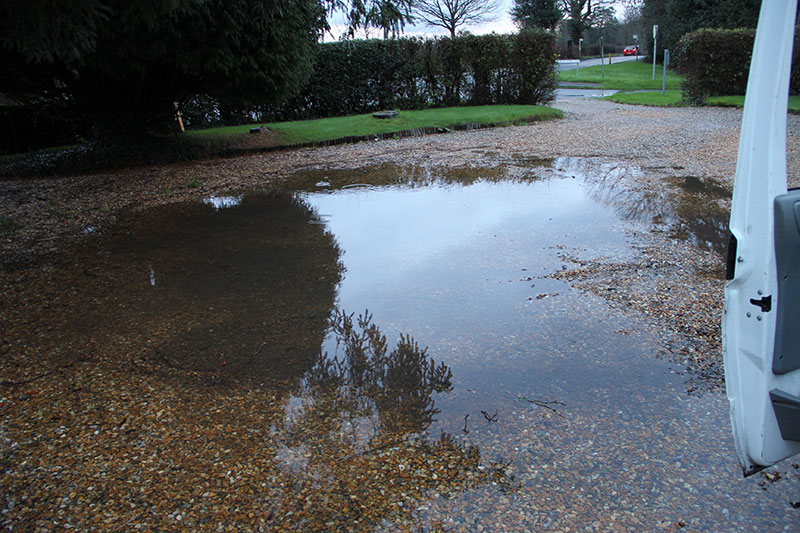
546	378
478	394
583	93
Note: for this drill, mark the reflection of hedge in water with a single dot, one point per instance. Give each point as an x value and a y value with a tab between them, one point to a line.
226	293
354	77
355	435
389	174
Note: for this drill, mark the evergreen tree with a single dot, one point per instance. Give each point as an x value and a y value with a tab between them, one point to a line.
121	65
544	14
676	18
390	16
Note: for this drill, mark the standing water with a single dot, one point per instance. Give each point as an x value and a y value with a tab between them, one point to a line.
385	349
591	427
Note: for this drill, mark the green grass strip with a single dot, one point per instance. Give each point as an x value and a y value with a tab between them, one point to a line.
628	76
738	101
675	99
335	128
672	98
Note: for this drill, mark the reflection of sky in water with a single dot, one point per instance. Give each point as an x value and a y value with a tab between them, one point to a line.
450	235
221	202
463	269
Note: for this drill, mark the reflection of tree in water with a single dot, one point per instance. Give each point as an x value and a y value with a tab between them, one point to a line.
355	435
398	385
694	210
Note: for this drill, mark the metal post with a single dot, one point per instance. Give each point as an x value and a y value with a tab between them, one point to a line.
602	62
655	49
664	77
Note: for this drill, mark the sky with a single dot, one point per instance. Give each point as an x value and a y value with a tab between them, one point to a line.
502	24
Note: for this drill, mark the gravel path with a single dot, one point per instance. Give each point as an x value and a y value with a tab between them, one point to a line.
106	441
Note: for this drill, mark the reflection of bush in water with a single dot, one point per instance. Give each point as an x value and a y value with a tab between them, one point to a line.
357	434
397	384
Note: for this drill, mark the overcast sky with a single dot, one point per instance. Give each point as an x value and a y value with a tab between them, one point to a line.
502	24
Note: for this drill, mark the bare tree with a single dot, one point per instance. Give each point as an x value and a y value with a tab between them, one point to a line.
581	15
452	14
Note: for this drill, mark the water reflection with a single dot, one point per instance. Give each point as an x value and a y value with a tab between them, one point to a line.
703	213
225	304
375	434
234	288
695	209
222	202
466	266
356	433
386	175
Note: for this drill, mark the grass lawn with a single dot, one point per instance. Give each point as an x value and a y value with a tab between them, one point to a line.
738	101
628	76
674	99
671	98
335	128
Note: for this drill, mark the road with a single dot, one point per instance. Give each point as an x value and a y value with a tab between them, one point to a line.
594	62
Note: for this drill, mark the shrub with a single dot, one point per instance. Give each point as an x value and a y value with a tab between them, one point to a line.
717	63
362	76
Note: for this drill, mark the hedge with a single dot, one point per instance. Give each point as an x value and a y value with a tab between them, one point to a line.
352	77
717	62
25	128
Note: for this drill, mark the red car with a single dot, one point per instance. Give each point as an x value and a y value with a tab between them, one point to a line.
630	51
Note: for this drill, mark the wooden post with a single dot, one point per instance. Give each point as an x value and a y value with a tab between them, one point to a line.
180	118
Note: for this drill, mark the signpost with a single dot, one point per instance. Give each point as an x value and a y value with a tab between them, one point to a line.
664	78
655	49
636	38
602	64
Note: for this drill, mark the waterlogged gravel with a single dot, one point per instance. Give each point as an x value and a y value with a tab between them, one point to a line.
96	436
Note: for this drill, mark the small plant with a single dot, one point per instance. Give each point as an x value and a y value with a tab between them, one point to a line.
195	183
166	191
6	225
105	209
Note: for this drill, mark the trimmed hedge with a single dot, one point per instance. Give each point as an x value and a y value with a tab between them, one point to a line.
717	62
353	77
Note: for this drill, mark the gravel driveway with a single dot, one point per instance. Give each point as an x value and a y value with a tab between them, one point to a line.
93	441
